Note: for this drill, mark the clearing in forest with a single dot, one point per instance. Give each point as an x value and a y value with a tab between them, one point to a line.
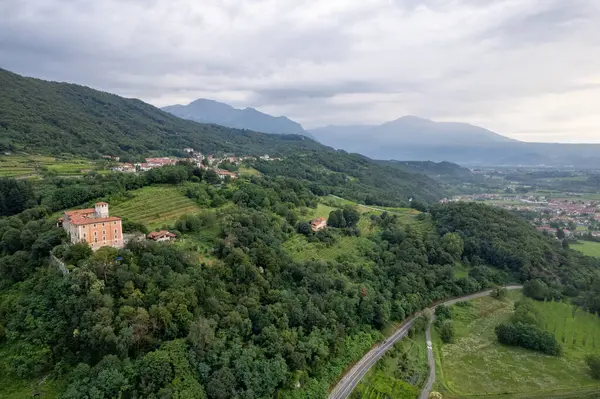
155	206
475	364
588	248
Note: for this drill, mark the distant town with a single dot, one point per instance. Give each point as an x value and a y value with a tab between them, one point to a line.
575	217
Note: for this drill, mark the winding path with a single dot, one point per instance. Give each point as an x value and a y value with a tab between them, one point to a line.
346	385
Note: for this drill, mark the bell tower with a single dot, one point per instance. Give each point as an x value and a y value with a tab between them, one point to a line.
101	210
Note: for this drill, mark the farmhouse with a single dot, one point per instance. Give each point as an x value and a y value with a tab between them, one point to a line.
162	235
225	173
94	226
318	224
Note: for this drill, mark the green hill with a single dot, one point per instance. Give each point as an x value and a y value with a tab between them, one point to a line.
56	118
52	118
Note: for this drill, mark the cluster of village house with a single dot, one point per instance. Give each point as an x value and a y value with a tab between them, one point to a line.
202	161
553	211
97	228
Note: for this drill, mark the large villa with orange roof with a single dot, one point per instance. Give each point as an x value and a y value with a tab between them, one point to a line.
94	226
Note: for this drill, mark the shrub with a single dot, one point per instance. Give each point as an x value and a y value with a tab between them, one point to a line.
447	331
528	336
593	363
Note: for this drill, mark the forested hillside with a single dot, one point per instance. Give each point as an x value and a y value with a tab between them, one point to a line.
496	237
59	118
151	321
231	310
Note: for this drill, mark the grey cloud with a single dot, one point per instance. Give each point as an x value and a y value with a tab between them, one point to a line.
355	61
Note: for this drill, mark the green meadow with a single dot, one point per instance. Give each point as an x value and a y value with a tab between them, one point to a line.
588	248
476	365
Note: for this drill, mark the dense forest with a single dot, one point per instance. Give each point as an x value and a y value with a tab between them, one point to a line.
498	238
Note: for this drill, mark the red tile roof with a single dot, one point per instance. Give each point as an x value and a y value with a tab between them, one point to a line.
80	220
80	212
158	234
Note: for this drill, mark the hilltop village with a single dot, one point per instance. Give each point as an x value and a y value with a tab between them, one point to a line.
208	162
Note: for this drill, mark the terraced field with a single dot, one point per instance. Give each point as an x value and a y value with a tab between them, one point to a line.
30	166
156	206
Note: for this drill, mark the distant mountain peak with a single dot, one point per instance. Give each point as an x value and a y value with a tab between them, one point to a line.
211	111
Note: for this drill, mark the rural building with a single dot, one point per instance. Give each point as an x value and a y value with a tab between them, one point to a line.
94	226
318	224
159	162
225	173
125	167
162	235
188	150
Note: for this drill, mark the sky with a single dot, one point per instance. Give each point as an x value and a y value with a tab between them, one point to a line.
528	69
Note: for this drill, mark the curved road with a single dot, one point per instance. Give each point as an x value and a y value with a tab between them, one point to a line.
346	385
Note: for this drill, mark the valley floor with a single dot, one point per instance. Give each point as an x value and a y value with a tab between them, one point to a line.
476	365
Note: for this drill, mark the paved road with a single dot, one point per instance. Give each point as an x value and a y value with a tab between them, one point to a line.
346	385
430	358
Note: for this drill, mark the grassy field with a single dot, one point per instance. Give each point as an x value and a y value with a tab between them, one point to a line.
400	374
155	206
588	248
475	365
346	249
247	171
321	210
460	270
30	166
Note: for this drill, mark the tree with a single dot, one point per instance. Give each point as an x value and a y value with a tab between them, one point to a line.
78	252
211	177
333	220
499	293
593	363
536	289
447	331
304	228
560	234
453	244
11	241
351	216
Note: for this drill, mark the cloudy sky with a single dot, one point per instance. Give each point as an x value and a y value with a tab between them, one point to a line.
529	69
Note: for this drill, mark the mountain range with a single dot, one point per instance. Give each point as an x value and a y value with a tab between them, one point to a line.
418	139
67	118
407	138
210	111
